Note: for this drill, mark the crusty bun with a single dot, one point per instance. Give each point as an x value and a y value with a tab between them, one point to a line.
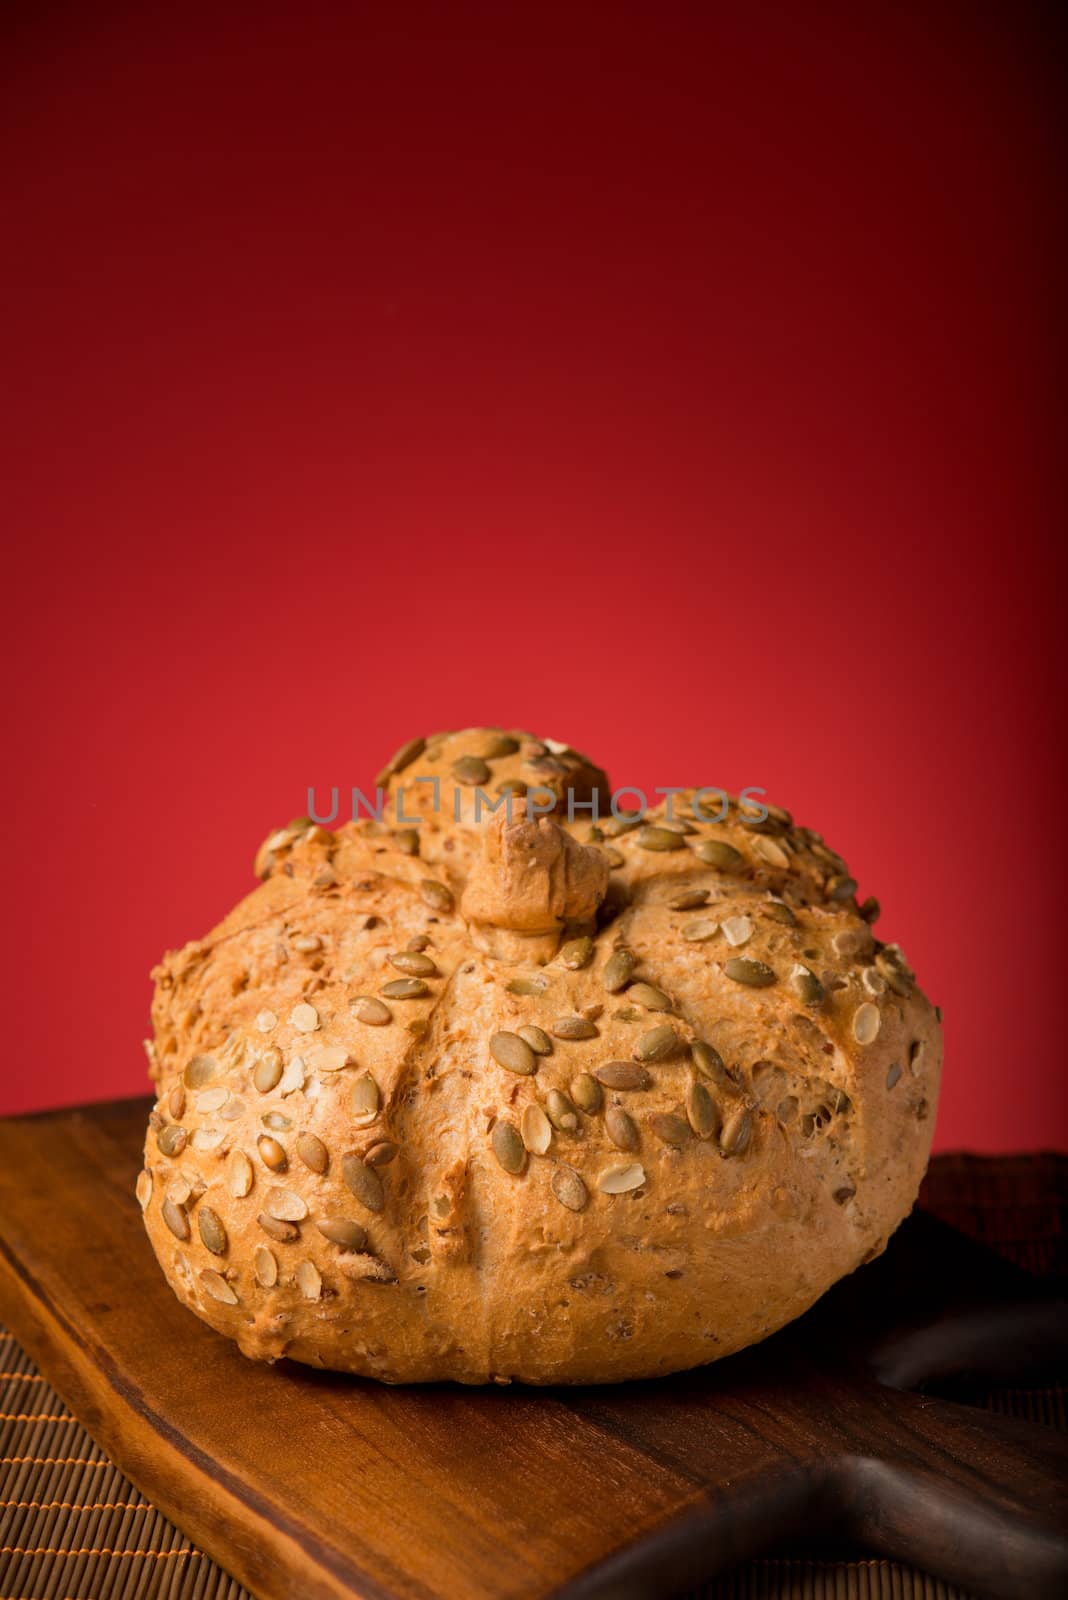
493	1098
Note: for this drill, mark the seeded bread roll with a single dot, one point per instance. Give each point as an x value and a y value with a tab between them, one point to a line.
489	1097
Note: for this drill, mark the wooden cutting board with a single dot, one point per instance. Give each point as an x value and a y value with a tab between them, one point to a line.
311	1485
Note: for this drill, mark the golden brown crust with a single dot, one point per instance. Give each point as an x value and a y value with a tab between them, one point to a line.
532	1099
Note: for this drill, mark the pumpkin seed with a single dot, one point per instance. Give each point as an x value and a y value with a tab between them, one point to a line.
771	852
617	970
304	1018
621	1128
265	1266
537	1130
576	953
652	837
737	1131
513	1053
871	910
754	974
309	1280
710	1064
200	1071
844	1194
281	1232
689	900
508	1147
499	745
893	1075
403	758
277	1121
364	1183
622	1075
841	888
873	981
143	1188
405	989
406	840
561	1112
285	1205
657	1044
217	1286
538	1040
700	930
701	1110
574	1028
471	770
176	1101
527	986
721	855
670	1129
866	1023
436	895
414	964
209	1100
172	1139
240	1175
212	1231
266	1021
568	1187
617	824
381	1154
649	996
621	1179
587	1094
175	1218
807	986
372	1011
737	931
342	1231
268	1071
313	1152
207	1138
272	1154
366	1099
779	911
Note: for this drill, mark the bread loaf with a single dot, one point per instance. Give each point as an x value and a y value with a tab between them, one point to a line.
467	1095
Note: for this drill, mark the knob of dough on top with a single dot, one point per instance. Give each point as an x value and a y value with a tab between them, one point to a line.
530	882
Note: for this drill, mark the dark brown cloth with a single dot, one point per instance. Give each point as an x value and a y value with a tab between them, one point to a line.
73	1528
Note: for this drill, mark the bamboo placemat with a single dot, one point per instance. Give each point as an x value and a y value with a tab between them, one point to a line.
73	1528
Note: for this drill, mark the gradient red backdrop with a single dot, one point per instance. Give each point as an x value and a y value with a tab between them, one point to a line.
676	380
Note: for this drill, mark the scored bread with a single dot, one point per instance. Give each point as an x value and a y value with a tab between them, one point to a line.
499	1095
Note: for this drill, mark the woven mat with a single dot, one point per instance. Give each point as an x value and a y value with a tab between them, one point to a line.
73	1528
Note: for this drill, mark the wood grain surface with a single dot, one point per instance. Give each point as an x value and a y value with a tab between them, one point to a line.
307	1484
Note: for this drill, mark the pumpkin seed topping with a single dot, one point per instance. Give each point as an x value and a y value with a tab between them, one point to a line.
212	1231
403	758
721	855
280	1232
265	1266
217	1286
871	910
568	1187
268	1071
172	1139
304	1017
342	1231
329	1058
272	1154
240	1175
657	1044
701	929
737	930
576	953
670	1129
561	1112
537	1039
617	970
285	1205
649	996
309	1280
513	1053
587	1094
574	1028
471	770
536	1129
873	981
367	1008
622	1075
406	841
436	895
621	1179
807	986
621	1128
499	745
701	1110
381	1154
200	1071
771	852
406	989
779	911
737	1131
689	900
709	1062
313	1152
866	1023
366	1099
414	964
841	888
175	1218
143	1188
753	974
508	1147
364	1183
527	986
266	1021
652	837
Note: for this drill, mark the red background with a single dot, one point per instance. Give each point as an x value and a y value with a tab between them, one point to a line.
676	380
